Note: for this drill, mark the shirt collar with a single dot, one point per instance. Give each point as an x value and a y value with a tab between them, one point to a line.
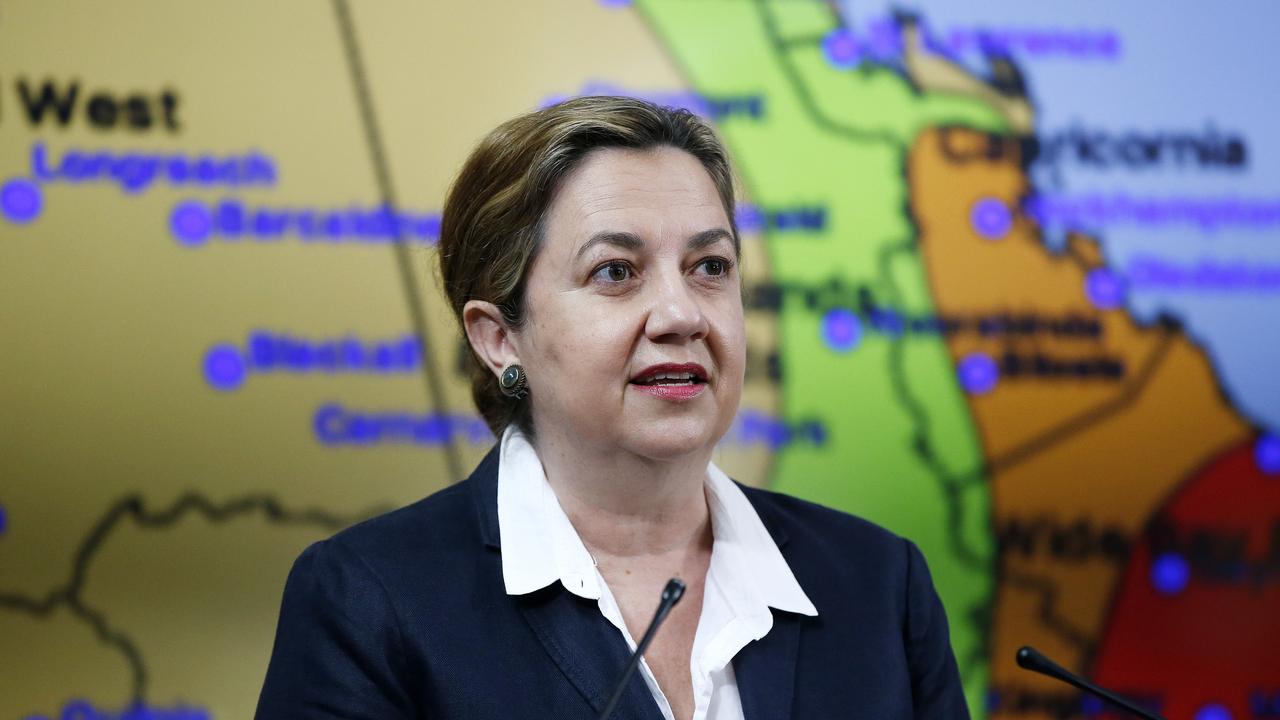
540	546
753	557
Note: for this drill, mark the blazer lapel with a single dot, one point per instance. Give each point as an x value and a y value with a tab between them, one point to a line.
766	670
589	651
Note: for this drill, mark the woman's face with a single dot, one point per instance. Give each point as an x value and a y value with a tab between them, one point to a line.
635	336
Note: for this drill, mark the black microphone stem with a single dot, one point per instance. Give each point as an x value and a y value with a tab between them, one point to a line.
1030	659
671	595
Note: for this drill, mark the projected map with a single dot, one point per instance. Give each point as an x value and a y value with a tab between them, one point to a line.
1014	292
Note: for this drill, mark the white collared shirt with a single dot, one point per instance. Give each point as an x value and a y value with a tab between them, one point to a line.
746	577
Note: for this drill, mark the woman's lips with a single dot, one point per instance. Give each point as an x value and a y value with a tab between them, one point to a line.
673	392
670	371
676	382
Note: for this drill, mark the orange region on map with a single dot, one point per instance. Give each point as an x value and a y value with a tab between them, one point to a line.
1090	452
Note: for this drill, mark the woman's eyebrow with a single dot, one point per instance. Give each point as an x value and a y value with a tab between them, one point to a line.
707	238
633	242
624	240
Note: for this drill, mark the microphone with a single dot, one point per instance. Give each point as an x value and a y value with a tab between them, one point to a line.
1030	659
671	595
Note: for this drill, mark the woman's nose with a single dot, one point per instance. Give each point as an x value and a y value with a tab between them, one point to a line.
674	311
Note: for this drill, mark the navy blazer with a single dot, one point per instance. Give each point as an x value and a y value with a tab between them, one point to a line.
406	616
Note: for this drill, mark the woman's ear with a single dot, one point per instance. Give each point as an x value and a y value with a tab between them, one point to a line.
489	336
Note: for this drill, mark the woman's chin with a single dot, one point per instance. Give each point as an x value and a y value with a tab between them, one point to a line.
672	439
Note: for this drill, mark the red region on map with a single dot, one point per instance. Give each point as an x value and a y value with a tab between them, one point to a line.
1196	621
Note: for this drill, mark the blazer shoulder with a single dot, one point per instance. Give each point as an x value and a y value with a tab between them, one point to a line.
432	528
440	527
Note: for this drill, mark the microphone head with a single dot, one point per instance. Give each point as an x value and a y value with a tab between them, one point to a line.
673	591
1028	658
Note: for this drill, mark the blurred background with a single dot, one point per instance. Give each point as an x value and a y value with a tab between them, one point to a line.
1014	292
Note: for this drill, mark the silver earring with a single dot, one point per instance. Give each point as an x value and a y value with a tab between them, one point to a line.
513	382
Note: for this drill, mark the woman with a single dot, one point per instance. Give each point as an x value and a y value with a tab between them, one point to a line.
590	254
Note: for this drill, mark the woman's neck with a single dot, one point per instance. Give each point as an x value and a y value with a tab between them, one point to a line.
627	506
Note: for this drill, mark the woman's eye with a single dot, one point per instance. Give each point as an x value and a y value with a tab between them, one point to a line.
613	272
715	266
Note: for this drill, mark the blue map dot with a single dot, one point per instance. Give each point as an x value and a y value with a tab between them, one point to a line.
20	201
991	218
1104	288
191	223
1170	573
224	367
841	329
4	520
616	3
1212	711
978	373
1267	454
840	47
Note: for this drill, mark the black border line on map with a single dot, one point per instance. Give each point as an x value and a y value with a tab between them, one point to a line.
950	485
801	40
781	50
71	595
386	191
952	488
1072	253
1089	664
1072	426
1046	608
1170	327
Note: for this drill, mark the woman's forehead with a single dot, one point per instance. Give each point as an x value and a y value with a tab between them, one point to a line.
657	194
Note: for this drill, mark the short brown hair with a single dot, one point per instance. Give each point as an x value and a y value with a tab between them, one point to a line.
492	224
